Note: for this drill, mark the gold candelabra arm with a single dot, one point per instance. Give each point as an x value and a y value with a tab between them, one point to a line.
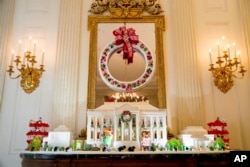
219	61
229	62
236	62
10	70
42	68
211	67
27	55
232	65
225	56
17	61
22	67
242	72
32	60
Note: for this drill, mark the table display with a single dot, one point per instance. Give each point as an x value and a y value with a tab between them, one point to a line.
125	134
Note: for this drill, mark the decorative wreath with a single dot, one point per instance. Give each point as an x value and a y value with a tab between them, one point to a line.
126	116
121	86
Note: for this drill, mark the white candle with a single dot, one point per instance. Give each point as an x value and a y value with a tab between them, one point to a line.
210	56
24	56
12	56
43	57
228	51
34	50
30	43
19	45
218	44
234	45
239	58
222	43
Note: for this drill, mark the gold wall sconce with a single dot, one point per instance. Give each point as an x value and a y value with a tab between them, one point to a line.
26	69
227	67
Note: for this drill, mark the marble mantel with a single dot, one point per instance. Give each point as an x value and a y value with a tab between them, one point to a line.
123	159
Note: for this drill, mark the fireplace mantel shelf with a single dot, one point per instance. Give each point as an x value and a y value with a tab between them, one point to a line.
124	159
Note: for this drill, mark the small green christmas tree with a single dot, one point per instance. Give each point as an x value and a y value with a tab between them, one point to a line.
174	143
153	147
35	144
219	143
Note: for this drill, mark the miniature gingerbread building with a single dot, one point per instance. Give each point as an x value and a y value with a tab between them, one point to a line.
127	121
218	129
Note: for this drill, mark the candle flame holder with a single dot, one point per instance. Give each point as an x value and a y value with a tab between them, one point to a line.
226	70
30	75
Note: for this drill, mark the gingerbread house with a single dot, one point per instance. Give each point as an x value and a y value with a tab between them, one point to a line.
37	129
218	129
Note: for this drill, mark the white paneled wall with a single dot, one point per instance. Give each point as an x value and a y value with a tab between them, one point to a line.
37	19
243	92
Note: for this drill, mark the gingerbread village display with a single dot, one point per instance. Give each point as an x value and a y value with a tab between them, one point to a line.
128	127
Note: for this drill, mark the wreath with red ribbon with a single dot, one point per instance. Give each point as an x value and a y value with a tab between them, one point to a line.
122	86
126	41
126	116
127	37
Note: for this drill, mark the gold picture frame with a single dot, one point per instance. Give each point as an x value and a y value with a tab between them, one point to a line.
159	24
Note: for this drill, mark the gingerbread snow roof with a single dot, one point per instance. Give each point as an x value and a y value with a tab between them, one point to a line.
38	123
217	122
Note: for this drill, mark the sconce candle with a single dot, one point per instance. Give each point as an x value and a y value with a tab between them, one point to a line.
24	55
210	56
222	43
30	42
234	45
43	57
34	48
239	57
218	45
12	56
228	51
19	45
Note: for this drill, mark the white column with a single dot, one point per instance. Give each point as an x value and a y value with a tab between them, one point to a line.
244	8
6	19
189	109
67	62
245	14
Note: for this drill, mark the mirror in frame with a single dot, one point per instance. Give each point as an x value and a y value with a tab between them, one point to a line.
150	31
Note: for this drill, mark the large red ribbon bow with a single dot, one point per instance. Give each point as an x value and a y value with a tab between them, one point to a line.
127	37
